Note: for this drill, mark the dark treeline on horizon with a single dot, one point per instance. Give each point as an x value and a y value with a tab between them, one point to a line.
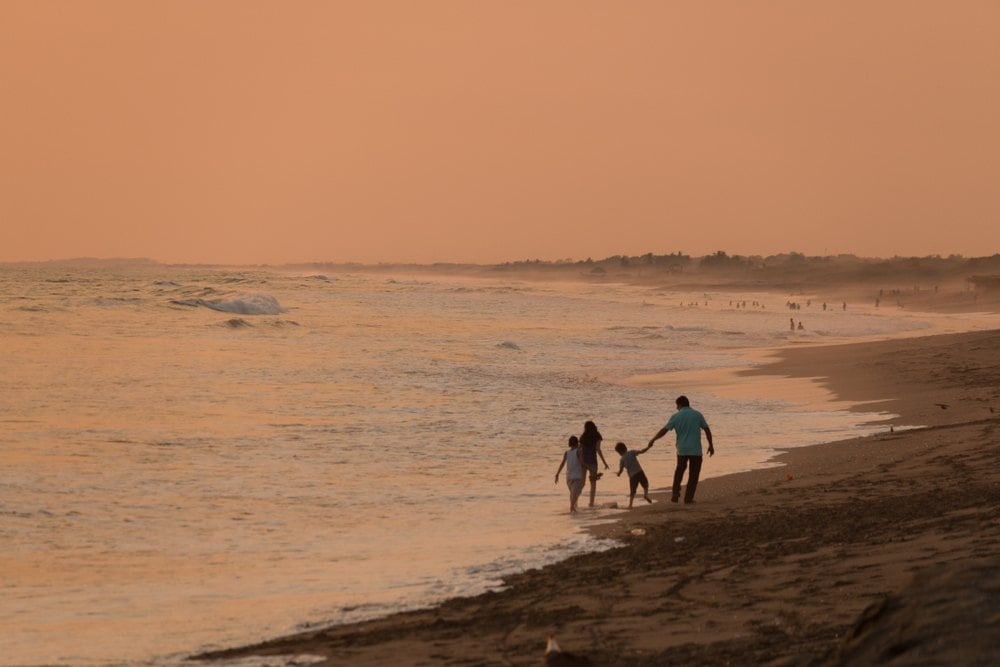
721	259
981	271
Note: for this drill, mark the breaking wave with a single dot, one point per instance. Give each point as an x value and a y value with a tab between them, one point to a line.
243	304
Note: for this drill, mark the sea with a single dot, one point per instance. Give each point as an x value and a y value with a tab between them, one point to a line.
197	457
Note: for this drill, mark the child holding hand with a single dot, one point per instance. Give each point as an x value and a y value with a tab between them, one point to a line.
630	462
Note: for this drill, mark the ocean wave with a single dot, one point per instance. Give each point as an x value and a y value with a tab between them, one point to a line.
650	327
240	323
671	327
113	302
243	304
489	289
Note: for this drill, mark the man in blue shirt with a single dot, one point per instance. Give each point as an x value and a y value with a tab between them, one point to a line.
688	424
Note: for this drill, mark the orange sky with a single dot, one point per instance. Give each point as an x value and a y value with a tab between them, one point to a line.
248	131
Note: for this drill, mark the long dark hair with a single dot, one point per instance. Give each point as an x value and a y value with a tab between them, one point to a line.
590	428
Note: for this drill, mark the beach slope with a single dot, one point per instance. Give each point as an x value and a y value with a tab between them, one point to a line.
875	550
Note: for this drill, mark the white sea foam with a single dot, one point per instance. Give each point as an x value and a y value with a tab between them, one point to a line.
243	304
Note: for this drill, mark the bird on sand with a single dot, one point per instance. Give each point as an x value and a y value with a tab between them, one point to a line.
556	657
943	406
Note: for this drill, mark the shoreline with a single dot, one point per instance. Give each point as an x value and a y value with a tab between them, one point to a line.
772	565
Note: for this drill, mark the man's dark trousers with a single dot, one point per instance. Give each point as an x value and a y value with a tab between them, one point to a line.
692	485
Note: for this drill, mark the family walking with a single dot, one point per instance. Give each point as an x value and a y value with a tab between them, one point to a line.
583	453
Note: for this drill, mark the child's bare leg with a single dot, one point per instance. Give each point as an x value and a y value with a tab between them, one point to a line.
645	493
593	483
574	494
631	497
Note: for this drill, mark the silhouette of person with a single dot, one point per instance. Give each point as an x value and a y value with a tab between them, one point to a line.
688	424
590	449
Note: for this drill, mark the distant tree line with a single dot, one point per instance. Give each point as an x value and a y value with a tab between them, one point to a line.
792	270
721	261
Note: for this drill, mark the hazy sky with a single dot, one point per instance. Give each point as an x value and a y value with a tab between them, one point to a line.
486	131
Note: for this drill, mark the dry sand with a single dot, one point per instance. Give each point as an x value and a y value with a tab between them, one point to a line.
812	563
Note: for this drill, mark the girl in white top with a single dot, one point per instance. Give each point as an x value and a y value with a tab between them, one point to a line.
574	471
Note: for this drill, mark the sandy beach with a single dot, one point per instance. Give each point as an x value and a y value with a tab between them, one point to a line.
876	550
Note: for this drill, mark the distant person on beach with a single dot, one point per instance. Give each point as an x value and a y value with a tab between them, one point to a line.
636	476
590	449
574	471
688	424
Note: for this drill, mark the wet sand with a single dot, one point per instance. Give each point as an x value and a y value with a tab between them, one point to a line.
810	563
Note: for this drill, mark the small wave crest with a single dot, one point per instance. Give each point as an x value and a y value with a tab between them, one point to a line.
242	304
671	327
240	323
